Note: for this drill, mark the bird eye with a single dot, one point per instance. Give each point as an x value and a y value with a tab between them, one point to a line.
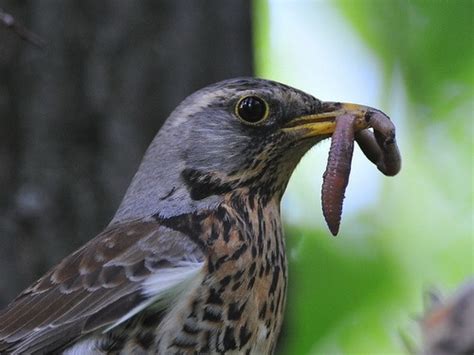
251	109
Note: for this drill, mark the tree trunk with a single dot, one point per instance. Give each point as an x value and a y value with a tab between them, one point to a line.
76	116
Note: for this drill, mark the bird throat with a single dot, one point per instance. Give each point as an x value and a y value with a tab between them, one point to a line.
267	183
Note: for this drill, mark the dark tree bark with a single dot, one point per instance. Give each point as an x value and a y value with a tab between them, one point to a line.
76	116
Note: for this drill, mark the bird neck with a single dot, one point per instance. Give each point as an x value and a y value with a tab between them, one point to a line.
158	188
241	215
166	185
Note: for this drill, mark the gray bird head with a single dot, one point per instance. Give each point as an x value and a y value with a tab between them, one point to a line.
242	133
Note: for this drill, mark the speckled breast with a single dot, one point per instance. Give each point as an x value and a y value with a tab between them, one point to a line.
237	306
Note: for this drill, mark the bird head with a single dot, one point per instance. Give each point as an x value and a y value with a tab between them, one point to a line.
241	134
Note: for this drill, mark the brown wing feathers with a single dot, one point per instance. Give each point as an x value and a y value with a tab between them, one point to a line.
89	289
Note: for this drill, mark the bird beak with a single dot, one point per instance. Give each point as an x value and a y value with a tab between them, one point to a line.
324	122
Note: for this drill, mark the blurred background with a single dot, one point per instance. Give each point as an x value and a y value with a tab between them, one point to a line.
77	115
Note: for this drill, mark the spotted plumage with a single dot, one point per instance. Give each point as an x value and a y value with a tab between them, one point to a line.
194	259
227	311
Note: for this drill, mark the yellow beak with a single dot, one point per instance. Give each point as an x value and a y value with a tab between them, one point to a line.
324	122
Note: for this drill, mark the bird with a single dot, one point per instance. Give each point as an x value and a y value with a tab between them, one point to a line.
447	325
194	260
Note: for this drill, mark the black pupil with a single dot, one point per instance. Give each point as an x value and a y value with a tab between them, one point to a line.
252	109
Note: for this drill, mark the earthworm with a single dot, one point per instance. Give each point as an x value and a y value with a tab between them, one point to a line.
378	146
337	172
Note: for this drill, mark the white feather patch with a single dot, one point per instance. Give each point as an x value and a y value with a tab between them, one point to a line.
163	287
87	346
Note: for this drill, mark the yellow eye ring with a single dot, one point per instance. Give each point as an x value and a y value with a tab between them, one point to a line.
252	110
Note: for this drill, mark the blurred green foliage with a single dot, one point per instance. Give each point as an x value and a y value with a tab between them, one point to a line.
355	295
430	40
